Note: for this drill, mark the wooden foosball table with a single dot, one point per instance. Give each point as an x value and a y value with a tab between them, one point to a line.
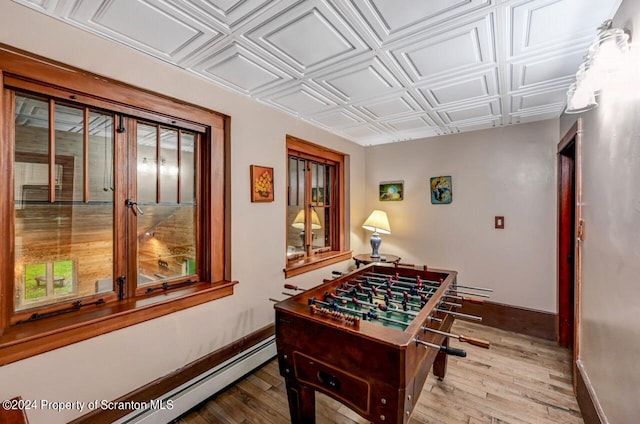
368	339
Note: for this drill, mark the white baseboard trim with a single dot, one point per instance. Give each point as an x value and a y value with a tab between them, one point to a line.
183	398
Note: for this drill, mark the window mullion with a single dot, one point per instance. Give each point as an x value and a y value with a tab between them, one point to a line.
158	163
307	209
85	155
179	165
52	151
125	188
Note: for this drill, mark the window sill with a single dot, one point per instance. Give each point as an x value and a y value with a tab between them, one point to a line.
315	262
29	339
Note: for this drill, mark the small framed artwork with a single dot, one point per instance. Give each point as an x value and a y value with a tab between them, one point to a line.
391	191
317	194
261	184
441	190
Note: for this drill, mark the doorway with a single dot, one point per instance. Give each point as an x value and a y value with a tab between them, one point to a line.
569	236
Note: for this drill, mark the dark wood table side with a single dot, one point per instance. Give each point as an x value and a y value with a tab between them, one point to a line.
366	259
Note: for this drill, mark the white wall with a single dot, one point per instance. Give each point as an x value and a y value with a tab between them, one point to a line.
508	171
112	365
610	332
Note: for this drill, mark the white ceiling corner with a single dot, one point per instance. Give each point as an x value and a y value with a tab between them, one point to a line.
368	70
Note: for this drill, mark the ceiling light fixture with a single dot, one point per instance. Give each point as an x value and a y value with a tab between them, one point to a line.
606	55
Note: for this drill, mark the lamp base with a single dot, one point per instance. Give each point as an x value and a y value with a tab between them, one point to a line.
375	245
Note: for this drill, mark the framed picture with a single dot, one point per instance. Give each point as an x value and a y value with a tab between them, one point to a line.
261	184
391	191
441	191
317	194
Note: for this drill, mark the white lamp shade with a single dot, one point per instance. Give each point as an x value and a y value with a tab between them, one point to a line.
298	222
609	50
377	222
580	99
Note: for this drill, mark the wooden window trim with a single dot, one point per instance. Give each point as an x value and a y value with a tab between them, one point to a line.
25	71
316	262
306	149
25	340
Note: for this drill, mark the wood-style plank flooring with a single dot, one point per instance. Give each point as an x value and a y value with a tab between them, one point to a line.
520	379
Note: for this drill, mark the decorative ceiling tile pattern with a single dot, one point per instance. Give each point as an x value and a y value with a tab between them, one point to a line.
372	71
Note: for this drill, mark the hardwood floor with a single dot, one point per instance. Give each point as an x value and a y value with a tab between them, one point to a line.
520	379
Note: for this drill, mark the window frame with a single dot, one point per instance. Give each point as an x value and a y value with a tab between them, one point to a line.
29	73
339	252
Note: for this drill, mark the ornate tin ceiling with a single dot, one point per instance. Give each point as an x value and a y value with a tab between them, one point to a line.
372	71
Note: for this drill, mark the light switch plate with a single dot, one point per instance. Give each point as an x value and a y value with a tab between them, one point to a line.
499	221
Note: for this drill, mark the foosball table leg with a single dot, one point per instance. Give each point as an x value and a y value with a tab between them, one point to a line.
302	403
440	363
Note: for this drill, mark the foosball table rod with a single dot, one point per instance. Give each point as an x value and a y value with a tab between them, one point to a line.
446	349
411	280
484	289
463	339
459	314
465	299
430	287
362	302
391	300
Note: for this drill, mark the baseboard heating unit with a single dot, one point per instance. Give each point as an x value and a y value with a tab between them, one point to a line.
183	398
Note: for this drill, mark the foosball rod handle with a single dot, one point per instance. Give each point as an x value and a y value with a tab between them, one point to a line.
473	300
473	341
464	339
292	287
446	349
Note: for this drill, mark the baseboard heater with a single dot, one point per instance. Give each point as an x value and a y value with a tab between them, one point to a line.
183	398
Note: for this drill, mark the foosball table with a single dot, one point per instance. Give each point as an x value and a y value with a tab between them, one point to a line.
369	338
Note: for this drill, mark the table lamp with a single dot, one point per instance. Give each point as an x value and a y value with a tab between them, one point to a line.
298	223
378	223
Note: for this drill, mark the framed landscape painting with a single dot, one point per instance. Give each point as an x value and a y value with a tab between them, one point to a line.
391	191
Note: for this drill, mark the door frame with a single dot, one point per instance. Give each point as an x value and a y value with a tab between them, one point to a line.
573	136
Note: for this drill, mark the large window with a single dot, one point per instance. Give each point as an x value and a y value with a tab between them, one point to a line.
63	218
315	206
108	220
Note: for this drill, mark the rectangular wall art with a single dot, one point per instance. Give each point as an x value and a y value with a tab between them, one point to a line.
391	191
261	184
441	191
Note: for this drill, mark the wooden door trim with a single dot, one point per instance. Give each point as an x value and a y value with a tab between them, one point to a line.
575	134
